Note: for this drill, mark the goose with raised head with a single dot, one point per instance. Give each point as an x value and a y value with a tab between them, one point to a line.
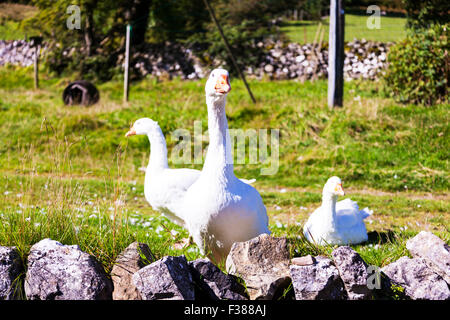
218	208
334	222
164	188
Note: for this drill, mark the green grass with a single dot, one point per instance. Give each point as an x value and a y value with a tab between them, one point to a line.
392	29
68	173
11	15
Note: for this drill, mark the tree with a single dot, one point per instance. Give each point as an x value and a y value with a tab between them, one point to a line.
423	14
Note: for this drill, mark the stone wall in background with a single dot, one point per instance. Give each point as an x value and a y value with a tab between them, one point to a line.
17	52
363	59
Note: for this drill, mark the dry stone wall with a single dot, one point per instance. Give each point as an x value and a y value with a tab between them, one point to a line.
363	59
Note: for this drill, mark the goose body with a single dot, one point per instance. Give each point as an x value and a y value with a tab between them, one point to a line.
164	187
218	208
336	222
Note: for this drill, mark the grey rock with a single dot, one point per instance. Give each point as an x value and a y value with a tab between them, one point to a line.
276	53
213	284
134	257
62	272
418	280
10	270
300	58
434	250
263	263
353	272
268	68
319	281
166	279
303	261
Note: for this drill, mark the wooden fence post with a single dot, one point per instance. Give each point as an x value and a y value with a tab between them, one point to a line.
37	48
127	65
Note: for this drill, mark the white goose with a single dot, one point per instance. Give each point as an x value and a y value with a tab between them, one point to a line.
335	222
164	188
218	208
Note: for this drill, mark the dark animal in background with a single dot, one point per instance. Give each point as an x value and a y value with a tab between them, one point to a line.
81	92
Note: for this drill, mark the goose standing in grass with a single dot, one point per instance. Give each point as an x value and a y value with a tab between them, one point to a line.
164	188
218	208
340	223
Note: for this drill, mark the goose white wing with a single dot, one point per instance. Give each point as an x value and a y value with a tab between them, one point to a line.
166	190
348	213
350	221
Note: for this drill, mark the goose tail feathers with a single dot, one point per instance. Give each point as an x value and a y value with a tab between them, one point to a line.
366	212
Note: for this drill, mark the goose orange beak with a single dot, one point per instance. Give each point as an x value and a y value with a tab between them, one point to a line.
223	84
339	190
132	132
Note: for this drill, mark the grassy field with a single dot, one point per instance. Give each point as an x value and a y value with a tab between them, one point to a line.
11	14
391	29
69	173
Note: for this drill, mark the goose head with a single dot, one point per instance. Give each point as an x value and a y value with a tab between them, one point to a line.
145	126
333	187
218	84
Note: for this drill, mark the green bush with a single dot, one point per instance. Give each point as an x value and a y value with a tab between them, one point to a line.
418	69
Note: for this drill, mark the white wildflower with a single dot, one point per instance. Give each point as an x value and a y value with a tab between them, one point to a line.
119	203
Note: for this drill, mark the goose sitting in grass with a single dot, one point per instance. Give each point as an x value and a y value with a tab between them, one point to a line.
164	188
219	209
340	223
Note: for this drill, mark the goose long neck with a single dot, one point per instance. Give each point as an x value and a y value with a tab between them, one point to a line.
329	207
218	158
158	150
